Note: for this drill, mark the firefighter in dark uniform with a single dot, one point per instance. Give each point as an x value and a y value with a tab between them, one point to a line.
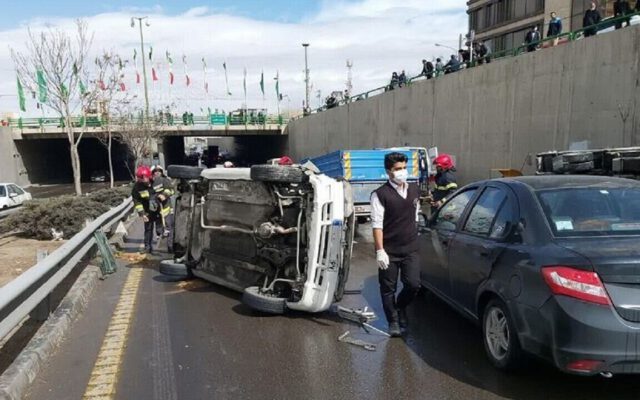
163	190
445	181
145	204
394	214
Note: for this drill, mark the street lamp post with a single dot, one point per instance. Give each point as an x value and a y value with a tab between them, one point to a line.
306	80
144	64
445	46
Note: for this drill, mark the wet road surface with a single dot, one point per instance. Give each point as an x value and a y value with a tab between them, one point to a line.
195	340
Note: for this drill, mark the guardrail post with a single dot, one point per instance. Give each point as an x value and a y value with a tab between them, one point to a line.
43	309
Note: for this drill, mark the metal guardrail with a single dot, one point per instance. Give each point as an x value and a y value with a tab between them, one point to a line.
164	121
32	289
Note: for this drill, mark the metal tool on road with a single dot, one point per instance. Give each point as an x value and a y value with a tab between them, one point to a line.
345	338
361	316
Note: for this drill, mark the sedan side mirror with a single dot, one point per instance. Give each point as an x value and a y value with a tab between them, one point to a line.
12	195
516	232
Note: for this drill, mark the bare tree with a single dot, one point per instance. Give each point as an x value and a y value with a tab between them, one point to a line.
111	99
52	65
138	134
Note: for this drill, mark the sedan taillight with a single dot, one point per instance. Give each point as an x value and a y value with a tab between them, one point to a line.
576	283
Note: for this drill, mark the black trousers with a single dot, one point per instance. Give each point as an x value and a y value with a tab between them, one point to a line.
408	267
149	226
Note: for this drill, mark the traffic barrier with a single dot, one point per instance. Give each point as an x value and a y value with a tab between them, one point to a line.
29	292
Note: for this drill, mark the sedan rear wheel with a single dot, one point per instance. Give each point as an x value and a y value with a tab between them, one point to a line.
500	338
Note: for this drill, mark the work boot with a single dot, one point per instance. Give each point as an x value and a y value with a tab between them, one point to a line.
165	233
394	329
403	321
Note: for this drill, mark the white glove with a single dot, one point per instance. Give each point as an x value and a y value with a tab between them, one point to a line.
383	259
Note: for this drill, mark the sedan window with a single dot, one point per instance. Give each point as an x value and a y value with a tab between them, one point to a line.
450	213
16	189
592	211
484	211
3	191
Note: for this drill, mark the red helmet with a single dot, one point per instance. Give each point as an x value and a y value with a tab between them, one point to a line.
443	161
285	160
143	172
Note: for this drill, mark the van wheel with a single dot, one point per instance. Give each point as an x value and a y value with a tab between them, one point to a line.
500	337
254	298
278	173
184	171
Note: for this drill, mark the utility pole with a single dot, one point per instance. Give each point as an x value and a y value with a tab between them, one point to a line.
349	77
144	65
307	108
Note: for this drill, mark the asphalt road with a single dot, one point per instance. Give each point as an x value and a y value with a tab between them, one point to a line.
196	340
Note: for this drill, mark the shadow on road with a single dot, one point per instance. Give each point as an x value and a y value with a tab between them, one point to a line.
453	345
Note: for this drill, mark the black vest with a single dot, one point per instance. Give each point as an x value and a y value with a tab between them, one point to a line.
399	227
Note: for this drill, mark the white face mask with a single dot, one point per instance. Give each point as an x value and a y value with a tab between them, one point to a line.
400	176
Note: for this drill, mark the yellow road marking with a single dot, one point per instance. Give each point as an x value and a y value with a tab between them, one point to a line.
104	377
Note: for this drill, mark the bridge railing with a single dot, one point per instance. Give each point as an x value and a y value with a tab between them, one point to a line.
546	42
166	120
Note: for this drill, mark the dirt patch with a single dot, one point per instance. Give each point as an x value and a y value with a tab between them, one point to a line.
18	255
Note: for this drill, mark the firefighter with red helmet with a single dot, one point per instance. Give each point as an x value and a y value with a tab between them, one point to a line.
445	180
146	204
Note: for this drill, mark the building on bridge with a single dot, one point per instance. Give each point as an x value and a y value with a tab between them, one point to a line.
504	23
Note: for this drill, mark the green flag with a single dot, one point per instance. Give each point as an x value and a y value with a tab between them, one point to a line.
21	96
262	83
42	87
83	89
64	90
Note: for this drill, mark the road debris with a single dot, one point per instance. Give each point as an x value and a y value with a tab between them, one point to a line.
345	338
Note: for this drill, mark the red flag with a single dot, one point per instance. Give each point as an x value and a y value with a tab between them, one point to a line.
122	87
101	85
154	76
137	77
170	78
188	80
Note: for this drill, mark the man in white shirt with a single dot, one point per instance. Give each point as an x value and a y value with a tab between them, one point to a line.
394	213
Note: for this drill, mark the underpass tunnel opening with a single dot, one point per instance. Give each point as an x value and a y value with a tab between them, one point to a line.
250	150
48	161
243	151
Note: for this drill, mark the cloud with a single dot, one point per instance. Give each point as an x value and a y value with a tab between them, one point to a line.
379	36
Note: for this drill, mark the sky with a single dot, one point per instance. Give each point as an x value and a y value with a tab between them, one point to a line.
377	36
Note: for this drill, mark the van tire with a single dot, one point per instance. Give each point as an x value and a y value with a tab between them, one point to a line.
278	173
259	301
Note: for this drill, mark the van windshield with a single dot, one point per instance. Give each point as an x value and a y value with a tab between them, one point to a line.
592	211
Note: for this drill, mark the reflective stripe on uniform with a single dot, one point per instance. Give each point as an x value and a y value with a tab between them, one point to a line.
158	188
450	186
165	211
139	207
144	194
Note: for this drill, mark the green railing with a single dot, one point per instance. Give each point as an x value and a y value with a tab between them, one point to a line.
166	120
564	37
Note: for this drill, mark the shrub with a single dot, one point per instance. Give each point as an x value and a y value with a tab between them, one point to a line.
65	213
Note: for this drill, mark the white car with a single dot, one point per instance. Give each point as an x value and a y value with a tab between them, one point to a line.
281	235
12	195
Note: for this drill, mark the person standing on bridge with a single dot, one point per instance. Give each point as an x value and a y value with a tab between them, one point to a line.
394	214
145	204
532	39
555	27
591	18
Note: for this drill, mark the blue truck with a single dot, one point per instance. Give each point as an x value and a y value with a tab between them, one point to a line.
364	169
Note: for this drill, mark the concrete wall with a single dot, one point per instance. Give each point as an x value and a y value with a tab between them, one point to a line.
11	165
492	116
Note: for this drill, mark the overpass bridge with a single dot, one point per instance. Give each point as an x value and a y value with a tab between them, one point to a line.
213	125
37	149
